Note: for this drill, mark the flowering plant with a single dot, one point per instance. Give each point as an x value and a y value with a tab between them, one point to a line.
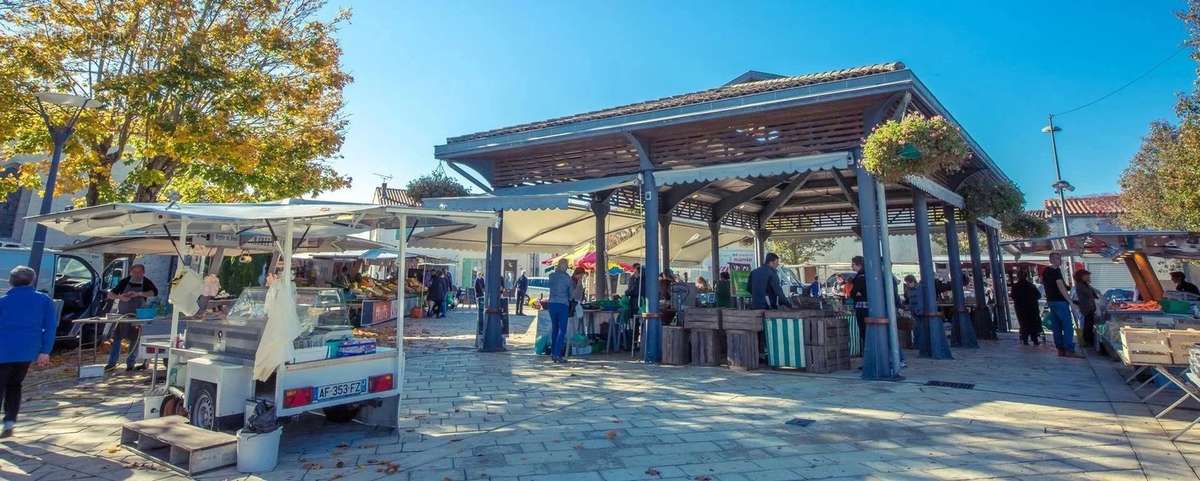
915	145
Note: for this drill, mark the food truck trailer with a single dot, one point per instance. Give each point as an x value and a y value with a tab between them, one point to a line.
292	349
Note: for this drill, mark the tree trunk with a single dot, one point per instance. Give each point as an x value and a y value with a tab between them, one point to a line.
149	192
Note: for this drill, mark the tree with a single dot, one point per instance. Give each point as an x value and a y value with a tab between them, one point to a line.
1161	187
229	100
435	184
795	251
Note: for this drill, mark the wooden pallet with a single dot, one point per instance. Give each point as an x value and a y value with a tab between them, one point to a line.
175	443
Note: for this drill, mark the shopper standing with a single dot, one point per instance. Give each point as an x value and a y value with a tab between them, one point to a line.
559	307
1057	298
724	290
1182	284
522	293
1025	297
27	326
633	291
130	294
1086	297
858	296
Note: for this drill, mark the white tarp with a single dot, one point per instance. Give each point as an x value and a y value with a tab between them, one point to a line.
281	330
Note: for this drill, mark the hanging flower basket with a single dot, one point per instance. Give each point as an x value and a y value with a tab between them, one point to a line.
983	198
1026	226
915	145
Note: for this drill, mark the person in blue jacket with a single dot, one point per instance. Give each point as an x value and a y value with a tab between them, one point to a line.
559	306
27	324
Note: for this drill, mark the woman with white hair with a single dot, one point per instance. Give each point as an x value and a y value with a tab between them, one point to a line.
27	324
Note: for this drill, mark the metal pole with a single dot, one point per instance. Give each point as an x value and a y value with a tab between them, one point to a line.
172	359
401	247
1060	185
59	134
652	337
600	210
714	244
977	276
889	280
493	340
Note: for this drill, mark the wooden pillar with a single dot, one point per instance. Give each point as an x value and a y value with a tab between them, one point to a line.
664	227
981	310
714	244
939	347
876	363
965	331
600	209
493	340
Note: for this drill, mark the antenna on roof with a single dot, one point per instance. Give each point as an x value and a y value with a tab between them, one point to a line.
383	178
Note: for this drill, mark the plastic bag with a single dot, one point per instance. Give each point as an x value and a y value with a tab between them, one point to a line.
263	419
542	345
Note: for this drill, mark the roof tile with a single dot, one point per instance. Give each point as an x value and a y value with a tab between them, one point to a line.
719	93
1092	205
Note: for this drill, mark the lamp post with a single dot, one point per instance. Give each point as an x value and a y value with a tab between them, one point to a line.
59	134
1061	186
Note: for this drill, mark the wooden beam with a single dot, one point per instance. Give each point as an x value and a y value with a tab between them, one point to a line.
726	205
781	199
453	165
846	190
677	194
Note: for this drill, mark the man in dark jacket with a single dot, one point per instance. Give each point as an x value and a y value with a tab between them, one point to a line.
1182	284
858	295
634	290
522	293
479	288
765	289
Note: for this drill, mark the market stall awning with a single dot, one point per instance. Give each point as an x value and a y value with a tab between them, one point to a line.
319	218
162	245
525	231
1171	244
577	187
501	202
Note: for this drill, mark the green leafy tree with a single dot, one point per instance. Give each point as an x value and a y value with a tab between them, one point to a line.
435	184
221	101
799	251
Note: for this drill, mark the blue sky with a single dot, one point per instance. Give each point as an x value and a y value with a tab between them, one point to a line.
428	70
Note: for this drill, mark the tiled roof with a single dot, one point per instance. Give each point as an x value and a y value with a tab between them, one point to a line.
392	196
1039	213
1092	205
719	93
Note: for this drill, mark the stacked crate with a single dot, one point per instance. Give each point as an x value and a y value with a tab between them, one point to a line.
1181	342
826	342
742	328
705	337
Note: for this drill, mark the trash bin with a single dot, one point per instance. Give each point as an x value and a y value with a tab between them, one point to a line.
258	452
785	342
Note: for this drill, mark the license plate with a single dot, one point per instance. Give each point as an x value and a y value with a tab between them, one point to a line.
339	390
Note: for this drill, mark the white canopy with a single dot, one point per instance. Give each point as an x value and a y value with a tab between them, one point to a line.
314	217
163	245
563	230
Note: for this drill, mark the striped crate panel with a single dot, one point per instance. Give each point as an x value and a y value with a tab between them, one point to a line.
785	342
855	342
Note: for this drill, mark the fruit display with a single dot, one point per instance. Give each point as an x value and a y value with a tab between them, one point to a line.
1132	306
374	289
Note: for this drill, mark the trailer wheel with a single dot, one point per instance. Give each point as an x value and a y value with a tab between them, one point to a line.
172	406
341	414
204	406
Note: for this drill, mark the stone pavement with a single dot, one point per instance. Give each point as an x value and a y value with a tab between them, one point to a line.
516	416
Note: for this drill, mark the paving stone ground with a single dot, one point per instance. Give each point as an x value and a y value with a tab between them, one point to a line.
516	416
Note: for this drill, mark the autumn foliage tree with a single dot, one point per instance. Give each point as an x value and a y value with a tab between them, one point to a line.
1161	187
218	100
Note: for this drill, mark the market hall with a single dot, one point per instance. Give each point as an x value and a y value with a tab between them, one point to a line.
764	156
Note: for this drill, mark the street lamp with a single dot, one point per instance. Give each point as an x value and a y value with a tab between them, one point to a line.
1061	186
59	134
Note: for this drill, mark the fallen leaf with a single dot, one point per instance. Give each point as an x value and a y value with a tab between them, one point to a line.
703	478
578	446
611	435
652	472
312	466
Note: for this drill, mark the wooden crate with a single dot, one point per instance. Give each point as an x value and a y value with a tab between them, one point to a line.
1145	346
675	347
742	320
172	441
827	329
826	359
708	346
703	318
743	349
1181	341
